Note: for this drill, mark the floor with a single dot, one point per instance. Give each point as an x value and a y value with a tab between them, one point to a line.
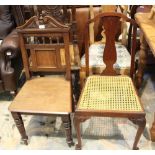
47	133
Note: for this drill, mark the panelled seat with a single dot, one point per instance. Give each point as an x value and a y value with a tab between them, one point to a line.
45	100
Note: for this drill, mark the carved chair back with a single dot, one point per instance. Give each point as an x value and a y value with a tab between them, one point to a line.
122	28
110	23
42	42
63	13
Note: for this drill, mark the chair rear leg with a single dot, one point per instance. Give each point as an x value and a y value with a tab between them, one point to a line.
141	122
20	125
68	130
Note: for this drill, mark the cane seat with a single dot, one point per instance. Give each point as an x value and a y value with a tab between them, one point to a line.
109	93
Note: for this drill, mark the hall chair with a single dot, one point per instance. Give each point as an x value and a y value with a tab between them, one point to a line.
97	45
110	94
44	42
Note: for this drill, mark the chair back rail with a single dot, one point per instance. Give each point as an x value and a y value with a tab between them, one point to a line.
42	40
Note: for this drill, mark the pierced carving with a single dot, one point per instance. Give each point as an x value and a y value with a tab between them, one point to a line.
42	23
56	11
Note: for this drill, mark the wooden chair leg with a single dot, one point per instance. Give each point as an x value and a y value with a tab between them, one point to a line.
77	121
20	125
78	132
152	130
68	130
141	122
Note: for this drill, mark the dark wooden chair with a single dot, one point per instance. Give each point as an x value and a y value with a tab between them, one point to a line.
44	45
108	95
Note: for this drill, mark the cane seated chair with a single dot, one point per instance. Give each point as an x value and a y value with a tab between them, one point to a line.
42	40
96	48
109	94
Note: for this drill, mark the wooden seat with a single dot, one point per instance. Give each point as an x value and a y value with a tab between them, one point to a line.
110	94
45	100
46	52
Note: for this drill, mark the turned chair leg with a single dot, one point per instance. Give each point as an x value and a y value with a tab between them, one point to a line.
20	125
68	130
141	122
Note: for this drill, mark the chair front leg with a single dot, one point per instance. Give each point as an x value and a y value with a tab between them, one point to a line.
68	130
20	125
141	122
77	121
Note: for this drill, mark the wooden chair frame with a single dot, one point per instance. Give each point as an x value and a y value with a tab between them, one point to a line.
49	27
109	58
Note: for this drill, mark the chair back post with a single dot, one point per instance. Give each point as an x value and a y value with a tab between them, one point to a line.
87	43
133	49
67	56
111	22
24	57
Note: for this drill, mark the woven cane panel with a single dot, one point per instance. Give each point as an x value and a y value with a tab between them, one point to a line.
109	93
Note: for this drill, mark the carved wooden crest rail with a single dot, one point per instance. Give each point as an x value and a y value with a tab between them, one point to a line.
44	38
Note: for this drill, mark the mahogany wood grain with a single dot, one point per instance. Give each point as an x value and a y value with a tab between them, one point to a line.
46	96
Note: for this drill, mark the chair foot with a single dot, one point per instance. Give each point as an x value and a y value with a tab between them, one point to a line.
141	122
135	148
71	144
24	141
77	147
77	121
